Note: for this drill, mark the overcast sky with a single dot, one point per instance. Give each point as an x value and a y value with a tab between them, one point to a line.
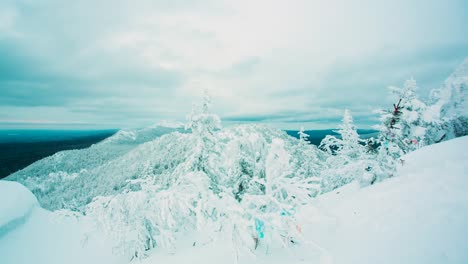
121	64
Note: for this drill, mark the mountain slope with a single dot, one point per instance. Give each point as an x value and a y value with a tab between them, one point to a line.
418	216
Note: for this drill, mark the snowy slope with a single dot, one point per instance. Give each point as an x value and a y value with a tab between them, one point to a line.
76	176
72	179
419	216
30	234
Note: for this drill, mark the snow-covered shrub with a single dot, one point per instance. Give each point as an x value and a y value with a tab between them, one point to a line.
153	215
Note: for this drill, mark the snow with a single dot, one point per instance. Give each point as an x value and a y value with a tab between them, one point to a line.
17	203
30	234
418	131
71	178
418	216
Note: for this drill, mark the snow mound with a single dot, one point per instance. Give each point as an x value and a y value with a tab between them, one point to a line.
51	238
17	203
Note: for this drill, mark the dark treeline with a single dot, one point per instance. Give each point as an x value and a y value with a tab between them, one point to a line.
16	155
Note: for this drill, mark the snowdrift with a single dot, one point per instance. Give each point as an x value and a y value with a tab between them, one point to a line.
16	206
30	234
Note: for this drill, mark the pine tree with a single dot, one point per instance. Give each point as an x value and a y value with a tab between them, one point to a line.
203	125
303	137
404	129
348	160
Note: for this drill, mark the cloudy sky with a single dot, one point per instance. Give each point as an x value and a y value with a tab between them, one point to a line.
120	64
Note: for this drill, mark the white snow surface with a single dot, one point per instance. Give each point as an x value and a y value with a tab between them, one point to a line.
16	204
30	234
418	216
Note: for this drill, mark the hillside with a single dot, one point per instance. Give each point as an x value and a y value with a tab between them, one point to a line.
418	216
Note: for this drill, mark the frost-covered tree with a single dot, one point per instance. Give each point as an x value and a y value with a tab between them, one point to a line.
303	137
348	158
201	122
206	151
449	107
282	194
403	129
306	162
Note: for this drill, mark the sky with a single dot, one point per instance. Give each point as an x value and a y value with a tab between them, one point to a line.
127	64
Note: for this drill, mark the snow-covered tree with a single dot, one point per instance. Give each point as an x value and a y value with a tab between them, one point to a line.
306	162
403	129
201	122
448	107
303	137
348	159
282	194
206	151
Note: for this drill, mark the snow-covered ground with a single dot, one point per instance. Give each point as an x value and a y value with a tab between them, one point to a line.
419	216
30	234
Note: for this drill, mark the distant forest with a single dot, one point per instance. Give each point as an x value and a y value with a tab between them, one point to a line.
19	149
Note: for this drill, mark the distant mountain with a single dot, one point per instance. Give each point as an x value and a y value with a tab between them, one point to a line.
20	148
46	135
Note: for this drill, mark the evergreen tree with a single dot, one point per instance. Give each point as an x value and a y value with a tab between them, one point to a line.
203	125
303	137
348	160
404	129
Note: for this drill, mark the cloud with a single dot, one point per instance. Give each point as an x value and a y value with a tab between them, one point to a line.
120	63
